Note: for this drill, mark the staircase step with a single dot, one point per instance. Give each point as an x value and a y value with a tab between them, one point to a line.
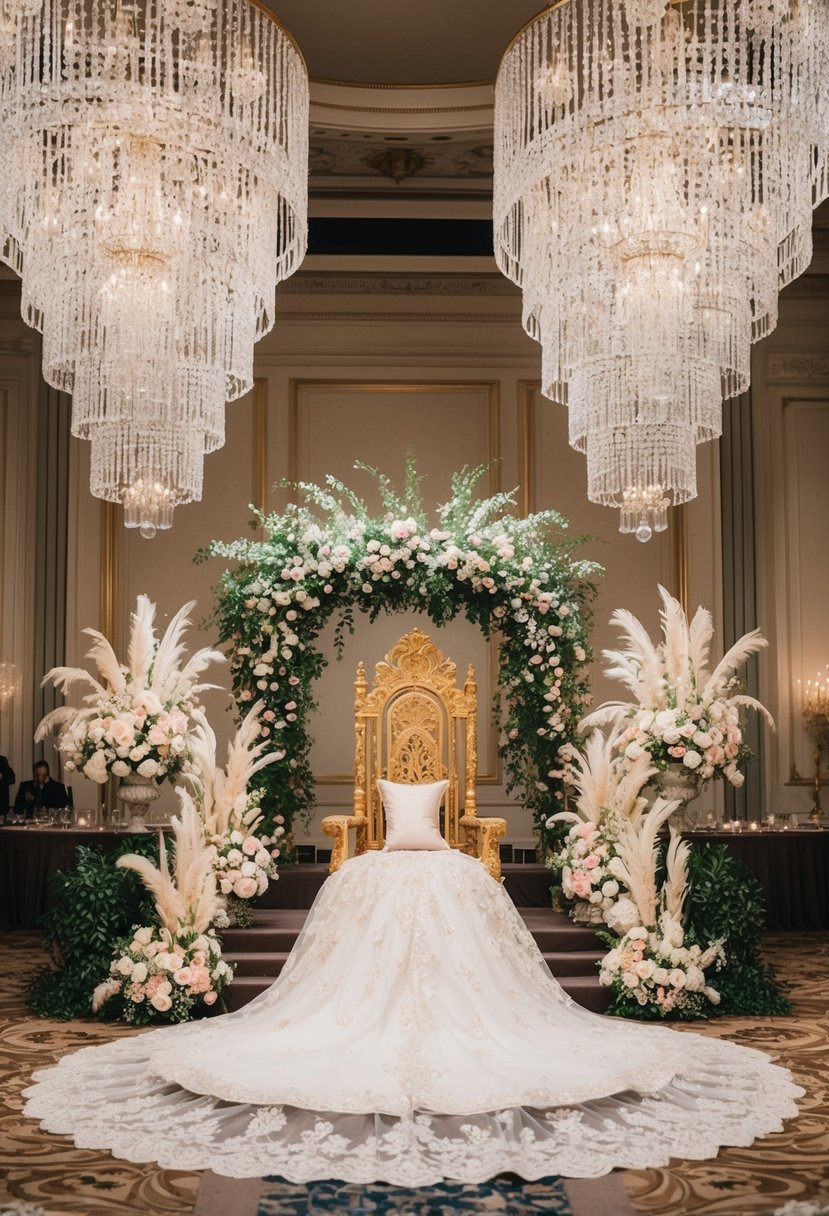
257	963
573	962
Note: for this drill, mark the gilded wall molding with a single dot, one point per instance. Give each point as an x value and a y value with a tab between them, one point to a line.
342	283
259	454
109	607
797	366
377	318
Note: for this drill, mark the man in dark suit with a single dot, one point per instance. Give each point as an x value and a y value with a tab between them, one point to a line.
7	780
42	791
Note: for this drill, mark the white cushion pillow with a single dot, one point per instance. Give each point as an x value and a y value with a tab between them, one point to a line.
413	814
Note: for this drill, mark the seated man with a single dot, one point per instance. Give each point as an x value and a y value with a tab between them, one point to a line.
42	791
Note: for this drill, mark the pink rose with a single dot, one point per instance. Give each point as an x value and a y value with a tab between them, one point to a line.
581	884
245	888
290	705
183	976
210	998
178	722
591	862
157	735
269	715
250	846
121	733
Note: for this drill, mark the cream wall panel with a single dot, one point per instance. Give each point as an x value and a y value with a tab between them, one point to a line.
790	392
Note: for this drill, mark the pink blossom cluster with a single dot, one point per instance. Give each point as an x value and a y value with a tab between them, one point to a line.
157	972
654	967
129	732
244	862
586	865
705	739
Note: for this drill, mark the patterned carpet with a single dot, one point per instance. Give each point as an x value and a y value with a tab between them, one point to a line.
51	1173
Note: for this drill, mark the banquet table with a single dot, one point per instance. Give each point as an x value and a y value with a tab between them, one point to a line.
793	868
28	857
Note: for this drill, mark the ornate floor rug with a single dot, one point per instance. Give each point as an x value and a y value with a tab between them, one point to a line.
49	1173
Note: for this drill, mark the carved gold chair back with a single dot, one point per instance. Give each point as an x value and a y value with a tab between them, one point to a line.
415	725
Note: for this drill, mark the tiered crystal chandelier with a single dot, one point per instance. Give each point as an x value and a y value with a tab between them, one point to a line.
155	192
656	166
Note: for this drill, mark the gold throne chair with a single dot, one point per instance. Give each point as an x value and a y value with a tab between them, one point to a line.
416	726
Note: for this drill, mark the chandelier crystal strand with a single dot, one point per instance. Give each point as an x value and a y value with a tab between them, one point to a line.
156	195
656	166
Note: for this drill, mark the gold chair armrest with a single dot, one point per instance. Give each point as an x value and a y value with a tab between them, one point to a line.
337	826
488	831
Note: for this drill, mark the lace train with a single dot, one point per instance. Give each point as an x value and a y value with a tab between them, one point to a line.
415	1034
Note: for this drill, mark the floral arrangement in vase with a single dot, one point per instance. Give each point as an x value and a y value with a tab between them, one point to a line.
685	715
137	718
172	969
608	790
243	858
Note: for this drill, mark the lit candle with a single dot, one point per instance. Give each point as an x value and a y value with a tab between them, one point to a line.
754	826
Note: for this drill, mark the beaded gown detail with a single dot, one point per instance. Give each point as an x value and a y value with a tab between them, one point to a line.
414	1034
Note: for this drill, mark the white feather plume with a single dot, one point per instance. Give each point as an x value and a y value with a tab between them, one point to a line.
742	649
165	671
637	850
105	660
638	666
700	635
169	906
676	646
142	638
223	792
675	888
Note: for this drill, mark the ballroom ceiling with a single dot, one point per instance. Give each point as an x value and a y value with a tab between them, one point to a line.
390	42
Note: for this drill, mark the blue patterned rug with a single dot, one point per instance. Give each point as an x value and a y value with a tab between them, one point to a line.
502	1196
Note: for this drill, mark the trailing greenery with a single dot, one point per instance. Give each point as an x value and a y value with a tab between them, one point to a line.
725	902
91	907
330	556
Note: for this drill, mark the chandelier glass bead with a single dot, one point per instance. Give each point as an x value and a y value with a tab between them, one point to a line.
656	166
155	193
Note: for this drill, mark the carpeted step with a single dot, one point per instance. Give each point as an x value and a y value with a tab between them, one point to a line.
573	962
259	963
585	991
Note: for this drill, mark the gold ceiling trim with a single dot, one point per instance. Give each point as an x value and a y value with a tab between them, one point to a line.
359	84
334	105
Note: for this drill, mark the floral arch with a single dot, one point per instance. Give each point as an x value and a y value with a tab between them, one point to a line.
514	577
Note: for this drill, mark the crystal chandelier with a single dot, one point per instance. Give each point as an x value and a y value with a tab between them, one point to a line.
155	193
656	166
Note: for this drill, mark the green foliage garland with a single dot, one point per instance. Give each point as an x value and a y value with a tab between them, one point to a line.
329	556
91	906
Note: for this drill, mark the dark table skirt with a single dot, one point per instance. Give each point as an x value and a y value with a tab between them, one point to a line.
793	868
28	857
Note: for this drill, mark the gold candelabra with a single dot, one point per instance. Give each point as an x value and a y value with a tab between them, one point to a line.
815	711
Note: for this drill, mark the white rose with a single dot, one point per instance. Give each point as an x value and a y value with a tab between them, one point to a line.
139	973
702	739
247	869
263	858
634	750
645	968
665	720
692	759
120	769
671	737
630	980
138	753
125	965
638	934
694	980
161	1002
235	857
236	837
226	886
677	978
622	916
148	768
144	935
660	975
610	888
96	768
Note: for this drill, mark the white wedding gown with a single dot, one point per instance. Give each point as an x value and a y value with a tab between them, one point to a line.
415	1034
